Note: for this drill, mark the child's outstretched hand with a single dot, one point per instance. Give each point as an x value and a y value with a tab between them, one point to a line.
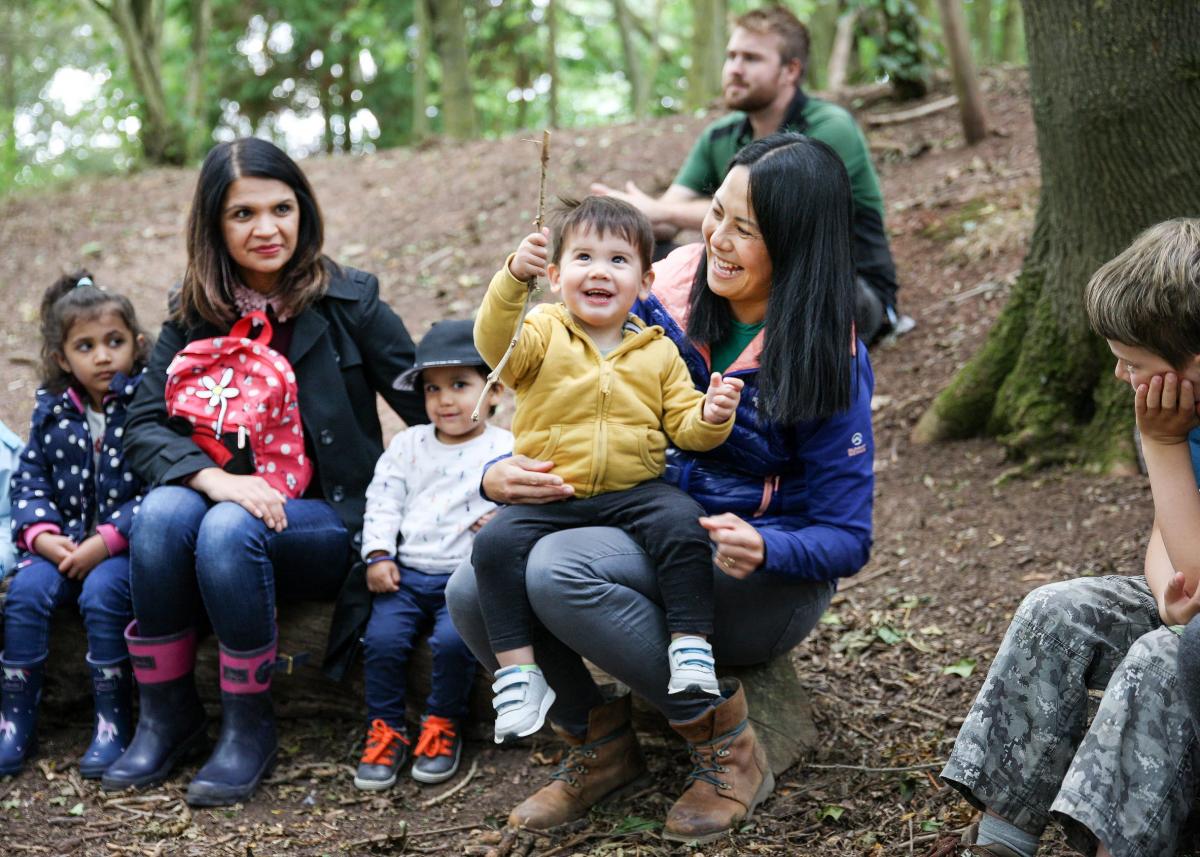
721	400
1165	409
531	257
383	577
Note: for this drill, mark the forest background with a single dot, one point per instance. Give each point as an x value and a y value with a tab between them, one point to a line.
98	86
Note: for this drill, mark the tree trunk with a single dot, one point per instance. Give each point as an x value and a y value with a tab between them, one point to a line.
839	56
196	104
707	54
522	81
8	95
420	60
633	62
139	25
458	100
1011	32
983	29
966	84
822	27
552	63
1119	142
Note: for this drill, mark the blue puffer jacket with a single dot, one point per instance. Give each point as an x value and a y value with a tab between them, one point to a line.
808	489
53	482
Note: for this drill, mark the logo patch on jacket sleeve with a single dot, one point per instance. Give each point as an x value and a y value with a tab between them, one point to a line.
857	445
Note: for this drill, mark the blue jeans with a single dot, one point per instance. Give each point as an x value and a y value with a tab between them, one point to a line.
191	555
397	619
38	589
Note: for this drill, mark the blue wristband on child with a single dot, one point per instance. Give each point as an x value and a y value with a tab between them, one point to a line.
385	558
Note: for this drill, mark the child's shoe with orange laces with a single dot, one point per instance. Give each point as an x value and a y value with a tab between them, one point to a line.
385	753
435	758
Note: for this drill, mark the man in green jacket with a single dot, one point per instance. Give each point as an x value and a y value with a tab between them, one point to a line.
764	62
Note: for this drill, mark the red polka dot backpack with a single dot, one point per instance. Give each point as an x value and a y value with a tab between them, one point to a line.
237	398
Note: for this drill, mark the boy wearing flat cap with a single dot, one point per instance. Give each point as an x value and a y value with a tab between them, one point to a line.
423	508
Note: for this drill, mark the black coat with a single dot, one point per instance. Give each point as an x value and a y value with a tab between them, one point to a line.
345	348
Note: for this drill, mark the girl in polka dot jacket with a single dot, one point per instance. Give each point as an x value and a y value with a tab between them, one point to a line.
73	501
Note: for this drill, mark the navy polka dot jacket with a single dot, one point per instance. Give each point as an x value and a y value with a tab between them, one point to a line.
54	482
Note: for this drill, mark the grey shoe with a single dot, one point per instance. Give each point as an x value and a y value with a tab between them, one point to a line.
438	750
385	754
970	849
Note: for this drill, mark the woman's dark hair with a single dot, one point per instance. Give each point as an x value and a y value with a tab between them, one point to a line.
800	194
74	298
211	274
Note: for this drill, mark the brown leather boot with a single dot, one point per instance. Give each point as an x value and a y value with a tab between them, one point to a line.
731	775
604	764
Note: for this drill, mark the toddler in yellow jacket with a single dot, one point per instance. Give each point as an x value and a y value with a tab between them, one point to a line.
600	394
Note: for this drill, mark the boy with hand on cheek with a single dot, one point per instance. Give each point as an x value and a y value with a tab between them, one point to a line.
1146	303
598	393
1159	357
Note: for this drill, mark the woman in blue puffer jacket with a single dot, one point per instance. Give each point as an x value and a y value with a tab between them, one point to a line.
768	297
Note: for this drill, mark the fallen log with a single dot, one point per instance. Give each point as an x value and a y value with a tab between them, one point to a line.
879	119
780	708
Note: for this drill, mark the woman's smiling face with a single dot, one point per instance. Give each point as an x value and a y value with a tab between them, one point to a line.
739	266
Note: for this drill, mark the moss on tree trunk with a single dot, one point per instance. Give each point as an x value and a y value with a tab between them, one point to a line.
1116	101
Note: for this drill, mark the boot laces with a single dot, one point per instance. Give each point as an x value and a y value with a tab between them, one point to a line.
436	738
382	741
573	762
705	756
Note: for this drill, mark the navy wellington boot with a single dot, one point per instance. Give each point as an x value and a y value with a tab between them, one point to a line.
171	724
248	743
20	695
112	694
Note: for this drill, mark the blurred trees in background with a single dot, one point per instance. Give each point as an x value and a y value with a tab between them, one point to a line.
102	85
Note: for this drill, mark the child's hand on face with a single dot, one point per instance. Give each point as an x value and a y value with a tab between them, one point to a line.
531	257
1165	409
53	546
383	577
90	553
721	400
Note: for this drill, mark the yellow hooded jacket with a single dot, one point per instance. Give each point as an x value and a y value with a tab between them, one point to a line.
603	419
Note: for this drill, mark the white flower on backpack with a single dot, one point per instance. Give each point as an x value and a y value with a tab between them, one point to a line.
218	393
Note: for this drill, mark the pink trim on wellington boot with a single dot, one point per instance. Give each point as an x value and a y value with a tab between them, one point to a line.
247	672
160	659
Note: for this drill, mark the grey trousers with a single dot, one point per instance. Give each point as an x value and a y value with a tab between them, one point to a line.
1026	751
595	595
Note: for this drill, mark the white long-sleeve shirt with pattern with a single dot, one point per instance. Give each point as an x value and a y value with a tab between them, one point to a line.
427	493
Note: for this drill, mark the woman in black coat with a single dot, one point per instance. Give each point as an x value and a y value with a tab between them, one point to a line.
208	541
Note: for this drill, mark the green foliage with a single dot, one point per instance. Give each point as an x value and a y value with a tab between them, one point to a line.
340	77
898	44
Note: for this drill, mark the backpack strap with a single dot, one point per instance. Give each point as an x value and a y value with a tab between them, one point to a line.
241	329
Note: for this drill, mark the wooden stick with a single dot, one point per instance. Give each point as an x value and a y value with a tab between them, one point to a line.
462	784
494	375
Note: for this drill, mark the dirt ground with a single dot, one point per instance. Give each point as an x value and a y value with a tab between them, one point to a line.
957	544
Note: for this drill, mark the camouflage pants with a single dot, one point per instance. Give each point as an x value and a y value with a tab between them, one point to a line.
1026	751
